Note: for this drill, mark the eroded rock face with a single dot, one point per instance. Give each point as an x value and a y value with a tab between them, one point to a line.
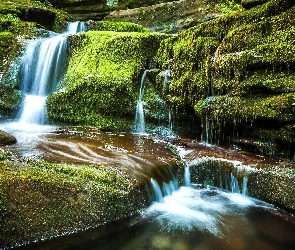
170	17
6	138
97	10
238	73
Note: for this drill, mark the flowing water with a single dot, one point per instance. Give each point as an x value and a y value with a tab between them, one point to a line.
139	123
191	218
42	68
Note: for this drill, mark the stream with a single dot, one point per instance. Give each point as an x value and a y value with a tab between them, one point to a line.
187	217
190	217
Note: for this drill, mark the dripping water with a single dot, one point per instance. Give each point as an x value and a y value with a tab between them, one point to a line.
139	123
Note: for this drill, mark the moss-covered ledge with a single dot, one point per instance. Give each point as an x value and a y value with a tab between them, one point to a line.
39	200
102	82
271	183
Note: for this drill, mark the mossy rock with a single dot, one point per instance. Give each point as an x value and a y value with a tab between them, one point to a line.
42	200
10	100
271	183
248	4
175	16
274	184
97	10
6	138
102	82
115	26
227	108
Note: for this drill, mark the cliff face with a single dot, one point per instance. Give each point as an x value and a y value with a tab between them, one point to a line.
98	9
237	72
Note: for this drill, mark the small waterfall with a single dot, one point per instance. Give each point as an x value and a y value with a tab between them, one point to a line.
157	190
234	184
187	177
167	189
139	123
167	76
42	68
76	27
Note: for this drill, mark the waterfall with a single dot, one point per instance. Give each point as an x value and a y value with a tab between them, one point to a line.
187	177
157	190
139	123
167	189
76	27
42	67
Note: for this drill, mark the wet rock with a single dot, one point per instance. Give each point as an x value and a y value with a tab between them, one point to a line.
6	138
41	16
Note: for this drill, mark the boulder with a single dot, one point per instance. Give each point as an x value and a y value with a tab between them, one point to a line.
6	138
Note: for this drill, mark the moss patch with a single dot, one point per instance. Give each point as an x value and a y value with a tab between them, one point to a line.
103	67
42	200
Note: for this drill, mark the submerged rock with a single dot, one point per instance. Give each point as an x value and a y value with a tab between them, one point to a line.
6	138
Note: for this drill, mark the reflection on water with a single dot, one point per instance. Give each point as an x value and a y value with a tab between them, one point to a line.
192	218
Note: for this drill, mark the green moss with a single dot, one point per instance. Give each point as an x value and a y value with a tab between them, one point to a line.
190	59
103	66
226	108
115	26
42	199
274	184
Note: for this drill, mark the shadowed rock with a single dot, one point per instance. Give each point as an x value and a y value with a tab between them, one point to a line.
6	139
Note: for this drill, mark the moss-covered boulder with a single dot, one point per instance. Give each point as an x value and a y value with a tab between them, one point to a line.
102	82
273	184
40	200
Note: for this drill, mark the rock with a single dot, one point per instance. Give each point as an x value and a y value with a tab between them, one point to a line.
248	4
41	16
6	139
169	17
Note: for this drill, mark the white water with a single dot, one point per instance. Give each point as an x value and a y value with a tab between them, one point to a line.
139	122
42	68
191	208
76	27
187	177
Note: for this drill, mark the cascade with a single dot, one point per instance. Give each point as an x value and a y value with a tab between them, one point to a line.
167	189
139	123
42	67
76	27
157	190
187	176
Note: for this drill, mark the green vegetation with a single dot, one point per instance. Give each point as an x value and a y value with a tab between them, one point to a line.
115	26
236	70
38	199
102	82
